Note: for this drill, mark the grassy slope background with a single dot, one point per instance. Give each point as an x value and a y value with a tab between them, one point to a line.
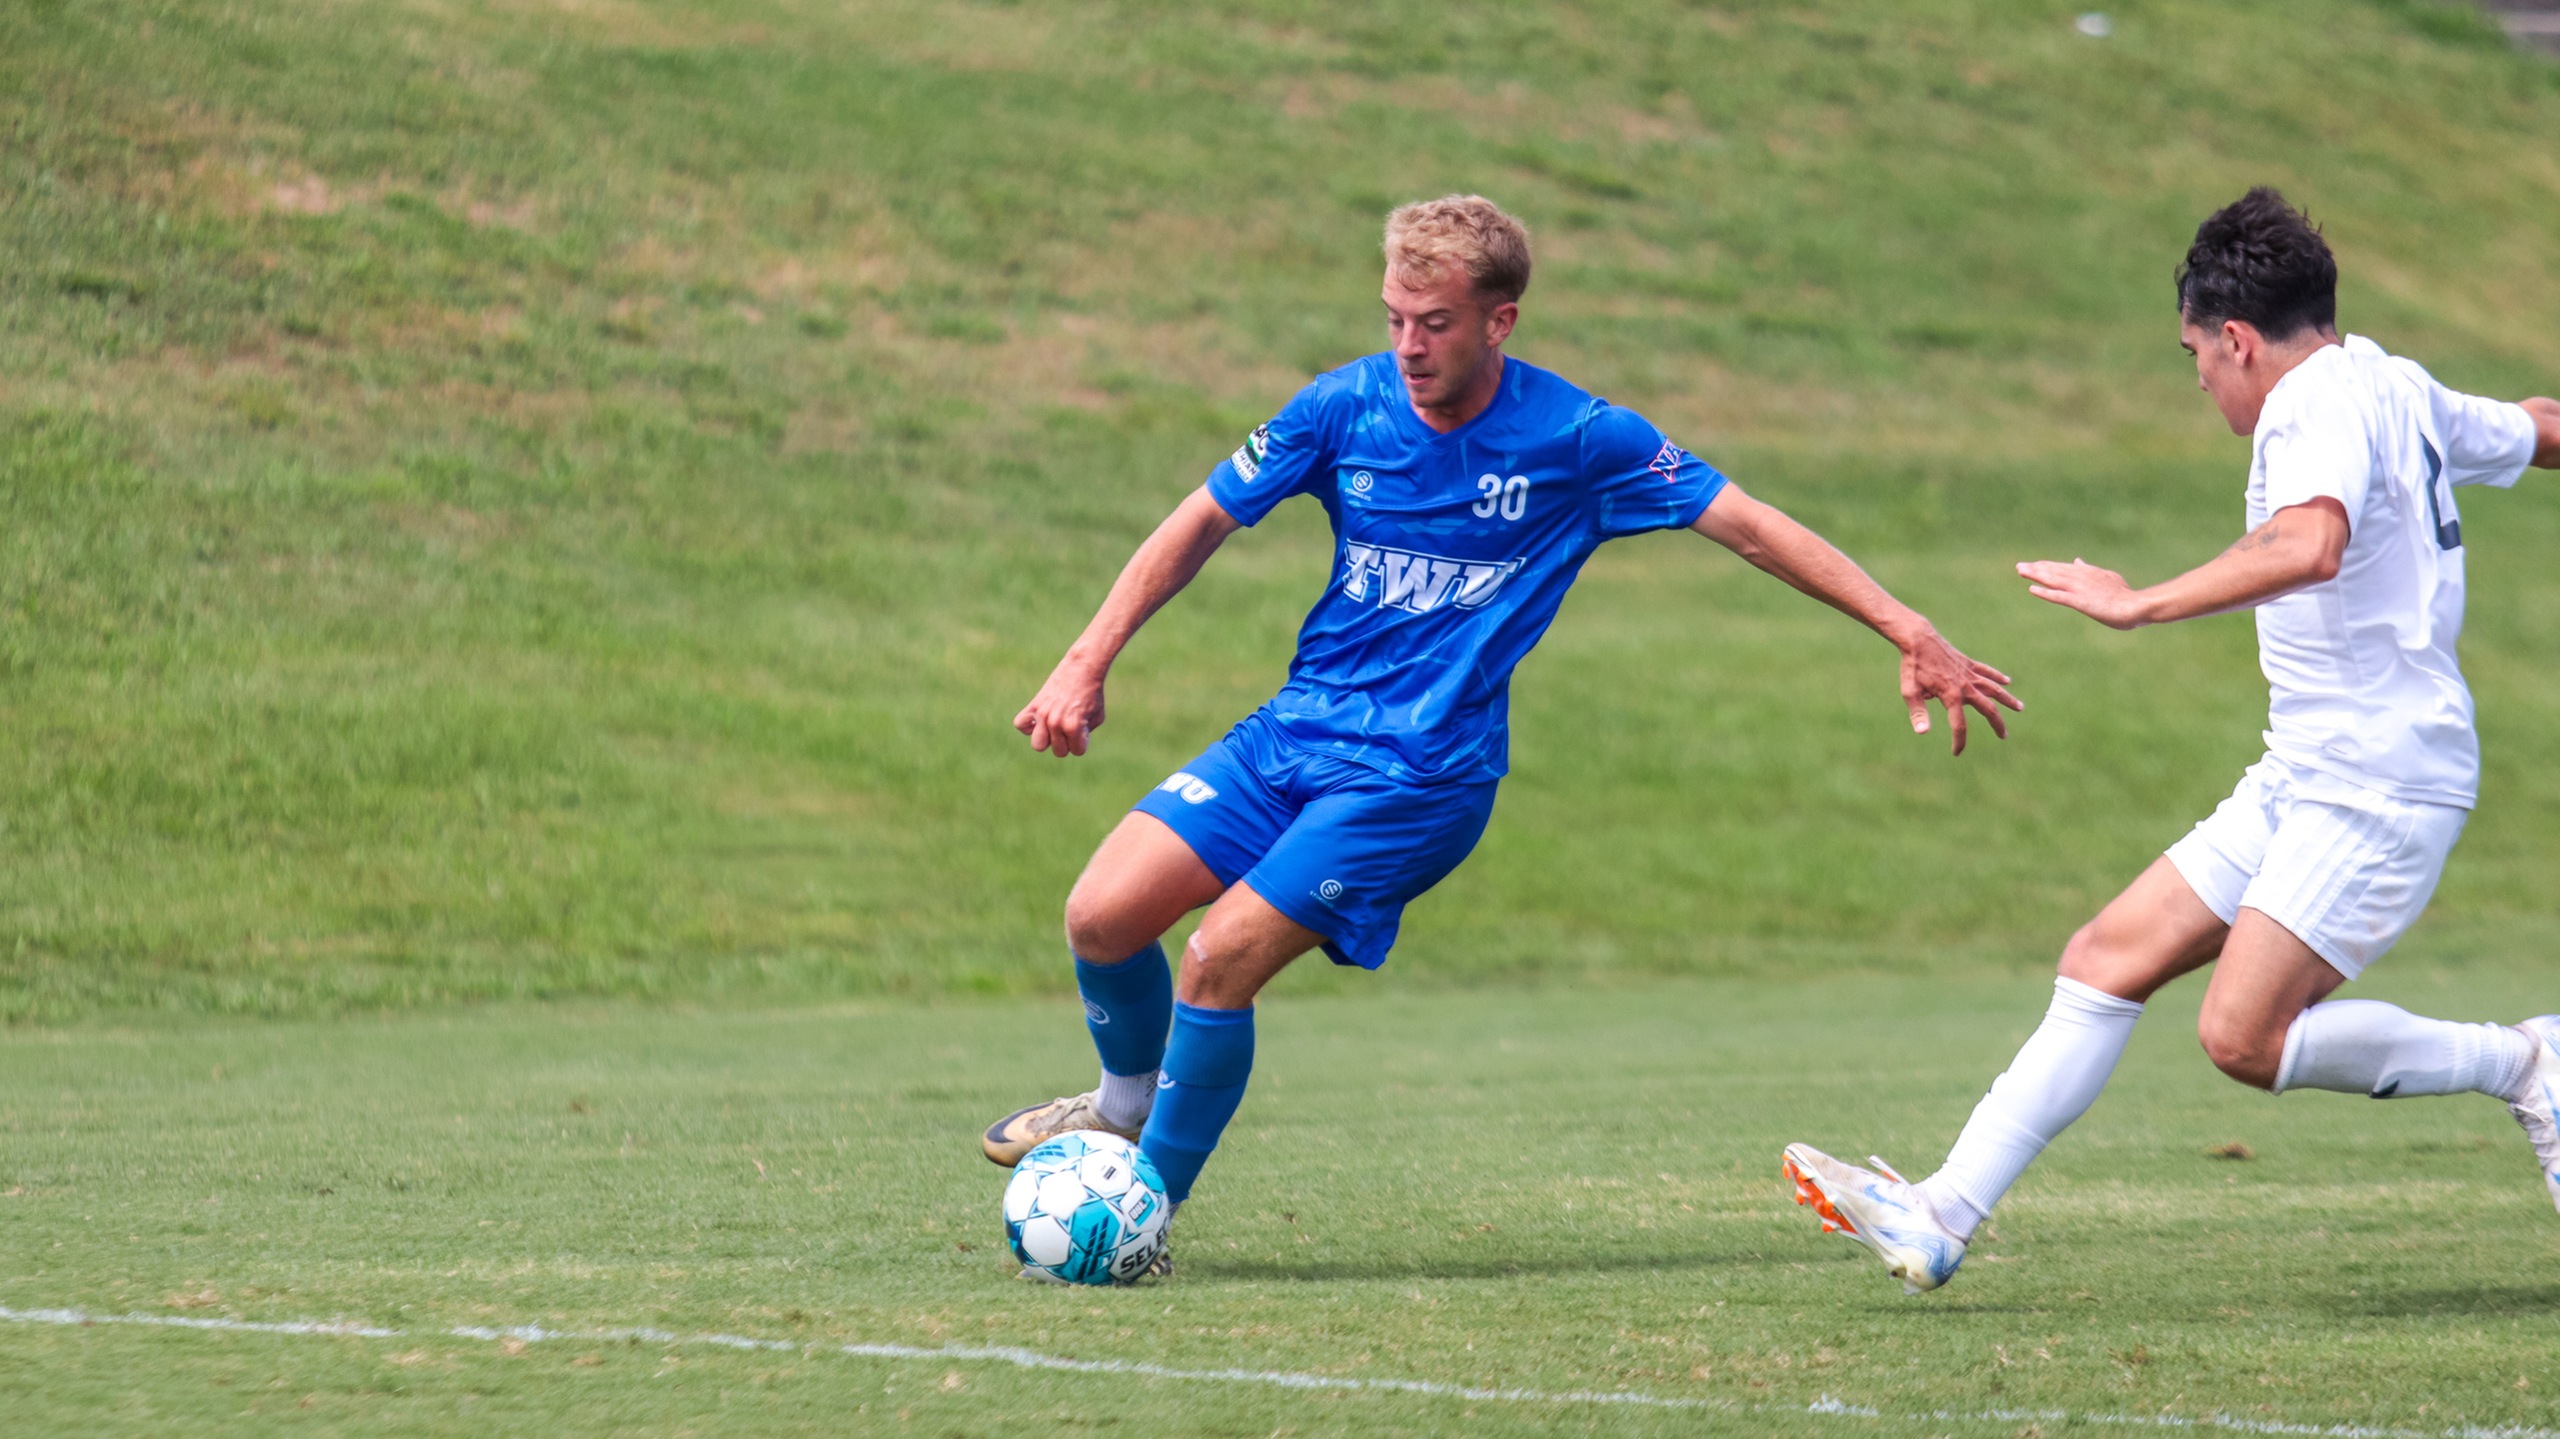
529	499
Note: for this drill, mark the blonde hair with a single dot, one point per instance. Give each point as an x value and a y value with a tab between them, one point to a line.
1468	231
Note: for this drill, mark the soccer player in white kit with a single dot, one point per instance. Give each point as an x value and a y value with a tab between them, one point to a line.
2328	850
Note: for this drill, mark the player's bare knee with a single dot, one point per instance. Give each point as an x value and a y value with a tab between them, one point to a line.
1203	979
2103	957
1098	931
2081	956
2250	1066
2241	1048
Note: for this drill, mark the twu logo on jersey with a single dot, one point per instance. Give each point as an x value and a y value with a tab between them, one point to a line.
1419	583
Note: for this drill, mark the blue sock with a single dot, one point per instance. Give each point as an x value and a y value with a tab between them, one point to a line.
1127	1007
1204	1073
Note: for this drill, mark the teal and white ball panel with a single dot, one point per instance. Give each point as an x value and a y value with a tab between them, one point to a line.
1086	1208
1058	1193
1108	1175
1043	1240
1017	1205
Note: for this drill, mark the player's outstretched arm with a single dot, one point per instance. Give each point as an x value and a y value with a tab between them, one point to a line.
2298	546
1932	669
2546	432
1063	716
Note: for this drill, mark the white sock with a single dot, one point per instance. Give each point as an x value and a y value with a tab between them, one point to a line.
2363	1046
1127	1099
2053	1081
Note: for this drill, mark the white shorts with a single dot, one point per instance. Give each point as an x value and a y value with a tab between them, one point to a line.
2345	868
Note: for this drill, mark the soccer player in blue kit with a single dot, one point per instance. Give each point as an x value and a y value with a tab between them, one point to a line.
1466	490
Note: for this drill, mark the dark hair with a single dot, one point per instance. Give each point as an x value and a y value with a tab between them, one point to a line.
2262	261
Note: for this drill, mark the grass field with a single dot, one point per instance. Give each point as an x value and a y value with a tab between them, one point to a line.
522	524
1455	1189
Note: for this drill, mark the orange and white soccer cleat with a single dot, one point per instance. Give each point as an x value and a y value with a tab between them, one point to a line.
1879	1211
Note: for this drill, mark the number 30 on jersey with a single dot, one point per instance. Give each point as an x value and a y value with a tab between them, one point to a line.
1509	498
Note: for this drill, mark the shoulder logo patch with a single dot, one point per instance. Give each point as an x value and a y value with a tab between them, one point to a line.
1666	462
1249	456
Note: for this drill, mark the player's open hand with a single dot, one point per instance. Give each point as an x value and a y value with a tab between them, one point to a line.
1932	669
1063	716
2102	595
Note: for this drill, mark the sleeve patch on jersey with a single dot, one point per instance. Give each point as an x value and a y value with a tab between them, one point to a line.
1248	456
1666	462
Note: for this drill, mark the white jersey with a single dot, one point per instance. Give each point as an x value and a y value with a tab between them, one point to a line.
2361	671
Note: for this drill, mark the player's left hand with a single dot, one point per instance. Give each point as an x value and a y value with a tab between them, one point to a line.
1932	669
2102	595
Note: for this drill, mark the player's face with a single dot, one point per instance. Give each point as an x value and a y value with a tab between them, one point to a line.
1445	336
2224	370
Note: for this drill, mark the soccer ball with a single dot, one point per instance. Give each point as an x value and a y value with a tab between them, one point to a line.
1086	1208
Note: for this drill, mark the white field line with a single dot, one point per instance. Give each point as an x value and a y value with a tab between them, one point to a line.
78	1317
1270	1378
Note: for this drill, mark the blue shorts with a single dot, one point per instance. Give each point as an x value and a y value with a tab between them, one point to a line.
1331	843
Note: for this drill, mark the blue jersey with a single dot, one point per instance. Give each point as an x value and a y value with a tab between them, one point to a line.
1451	551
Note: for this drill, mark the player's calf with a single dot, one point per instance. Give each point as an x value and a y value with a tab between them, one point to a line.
1207	1063
2364	1046
1128	1008
1140	880
1241	943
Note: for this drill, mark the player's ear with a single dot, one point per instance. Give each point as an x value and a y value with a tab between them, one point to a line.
1499	320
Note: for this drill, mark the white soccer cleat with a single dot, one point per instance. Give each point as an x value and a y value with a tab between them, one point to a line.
2538	1108
1879	1211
